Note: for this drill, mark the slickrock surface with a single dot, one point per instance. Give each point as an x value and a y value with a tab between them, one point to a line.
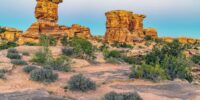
38	94
10	34
125	26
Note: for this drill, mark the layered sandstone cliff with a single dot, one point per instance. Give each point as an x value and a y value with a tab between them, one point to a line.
10	34
125	26
46	12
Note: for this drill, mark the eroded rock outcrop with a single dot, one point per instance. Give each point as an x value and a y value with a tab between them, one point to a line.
10	34
46	12
125	26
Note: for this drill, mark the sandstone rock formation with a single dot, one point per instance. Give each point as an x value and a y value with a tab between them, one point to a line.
46	12
10	34
125	26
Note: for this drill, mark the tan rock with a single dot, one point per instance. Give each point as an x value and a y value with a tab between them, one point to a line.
151	32
125	26
10	34
47	10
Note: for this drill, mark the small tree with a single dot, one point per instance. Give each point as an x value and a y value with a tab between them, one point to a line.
65	41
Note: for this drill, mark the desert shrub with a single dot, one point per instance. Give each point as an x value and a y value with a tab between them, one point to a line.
8	45
61	64
65	41
50	40
68	51
121	45
2	30
103	47
171	59
114	60
29	68
30	44
2	73
196	59
133	59
81	83
113	53
43	75
18	62
121	96
150	72
82	47
40	57
148	38
12	50
177	67
14	56
25	53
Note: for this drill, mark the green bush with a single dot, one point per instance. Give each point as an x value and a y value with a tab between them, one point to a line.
2	73
68	51
177	67
154	73
82	47
121	45
196	59
113	53
47	40
133	59
61	64
18	62
148	38
121	96
43	75
12	50
80	83
8	45
40	57
14	56
65	41
29	68
30	44
25	53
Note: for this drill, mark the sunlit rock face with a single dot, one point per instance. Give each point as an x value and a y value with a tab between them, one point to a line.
47	10
10	34
125	26
46	13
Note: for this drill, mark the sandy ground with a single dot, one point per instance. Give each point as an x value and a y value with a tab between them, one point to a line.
109	77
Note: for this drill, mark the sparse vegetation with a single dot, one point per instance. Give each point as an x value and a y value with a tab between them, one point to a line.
2	73
29	68
196	59
81	83
25	53
8	45
61	64
43	75
12	50
40	57
30	44
65	41
121	45
18	62
82	48
121	96
167	62
14	56
44	39
68	51
148	38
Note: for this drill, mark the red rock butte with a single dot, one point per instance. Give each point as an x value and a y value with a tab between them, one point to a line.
125	26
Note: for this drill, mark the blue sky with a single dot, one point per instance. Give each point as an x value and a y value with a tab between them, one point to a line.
173	18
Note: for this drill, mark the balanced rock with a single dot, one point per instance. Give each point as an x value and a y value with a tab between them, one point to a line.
46	12
125	26
10	34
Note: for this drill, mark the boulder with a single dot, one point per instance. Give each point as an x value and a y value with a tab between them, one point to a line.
151	32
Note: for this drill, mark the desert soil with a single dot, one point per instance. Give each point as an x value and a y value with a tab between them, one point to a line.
109	77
